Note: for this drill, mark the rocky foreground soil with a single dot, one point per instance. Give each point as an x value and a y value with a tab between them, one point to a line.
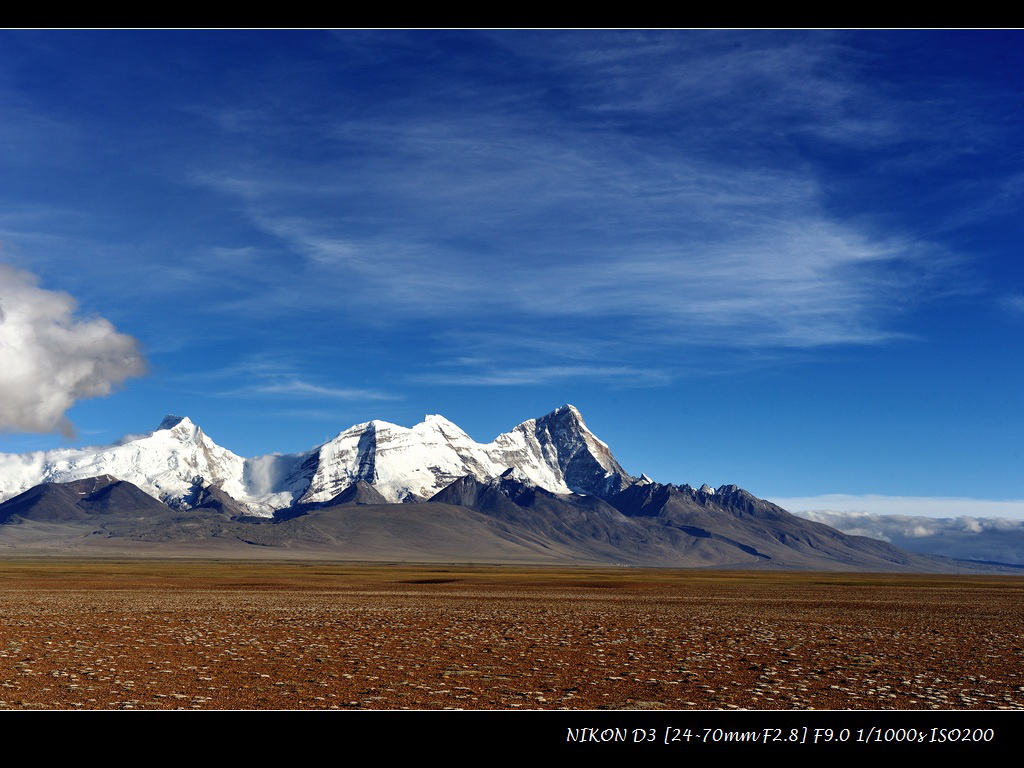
172	635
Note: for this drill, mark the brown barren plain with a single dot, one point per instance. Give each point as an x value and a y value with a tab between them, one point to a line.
231	635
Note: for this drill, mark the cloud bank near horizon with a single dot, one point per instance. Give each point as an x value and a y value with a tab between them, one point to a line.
993	539
917	506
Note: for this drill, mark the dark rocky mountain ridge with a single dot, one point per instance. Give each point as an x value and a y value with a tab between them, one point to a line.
506	519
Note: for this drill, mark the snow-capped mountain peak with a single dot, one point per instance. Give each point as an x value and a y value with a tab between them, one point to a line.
171	421
586	463
438	423
556	452
178	460
172	464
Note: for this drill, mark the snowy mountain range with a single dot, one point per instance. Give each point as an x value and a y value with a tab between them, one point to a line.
548	491
178	463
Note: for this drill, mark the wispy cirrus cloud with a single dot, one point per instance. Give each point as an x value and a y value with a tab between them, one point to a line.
262	375
507	377
298	388
781	275
661	194
1013	304
650	182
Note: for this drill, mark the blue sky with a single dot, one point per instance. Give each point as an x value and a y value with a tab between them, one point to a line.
788	260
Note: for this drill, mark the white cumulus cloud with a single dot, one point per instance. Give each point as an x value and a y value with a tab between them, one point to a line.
50	358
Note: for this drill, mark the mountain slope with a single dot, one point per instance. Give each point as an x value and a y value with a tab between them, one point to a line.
730	519
96	498
662	525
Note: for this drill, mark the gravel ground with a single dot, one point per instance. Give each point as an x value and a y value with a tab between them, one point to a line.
259	636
